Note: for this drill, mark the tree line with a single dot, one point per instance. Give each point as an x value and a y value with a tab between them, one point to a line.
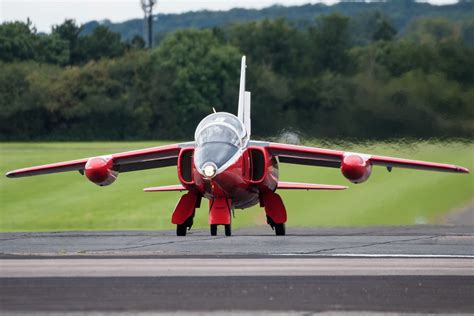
401	12
332	77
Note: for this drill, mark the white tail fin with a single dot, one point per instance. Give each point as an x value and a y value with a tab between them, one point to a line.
244	99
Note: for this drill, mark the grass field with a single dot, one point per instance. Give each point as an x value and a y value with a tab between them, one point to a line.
69	202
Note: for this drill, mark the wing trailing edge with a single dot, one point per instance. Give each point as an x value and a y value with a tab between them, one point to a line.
155	157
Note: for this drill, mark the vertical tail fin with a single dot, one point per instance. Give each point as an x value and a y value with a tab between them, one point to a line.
244	99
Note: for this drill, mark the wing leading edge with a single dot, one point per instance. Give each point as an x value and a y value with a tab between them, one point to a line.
155	157
332	158
308	186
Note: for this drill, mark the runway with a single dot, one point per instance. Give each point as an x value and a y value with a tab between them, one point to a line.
418	241
192	267
417	269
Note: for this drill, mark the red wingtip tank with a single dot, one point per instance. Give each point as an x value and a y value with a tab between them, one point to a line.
99	171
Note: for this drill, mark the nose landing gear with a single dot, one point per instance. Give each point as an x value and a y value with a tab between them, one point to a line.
227	229
220	214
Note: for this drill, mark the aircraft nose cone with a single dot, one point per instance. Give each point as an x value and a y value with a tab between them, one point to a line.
209	170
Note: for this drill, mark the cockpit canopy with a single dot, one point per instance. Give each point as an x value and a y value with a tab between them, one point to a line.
221	127
219	137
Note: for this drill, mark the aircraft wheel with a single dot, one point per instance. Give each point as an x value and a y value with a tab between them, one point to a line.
228	230
213	230
181	230
280	229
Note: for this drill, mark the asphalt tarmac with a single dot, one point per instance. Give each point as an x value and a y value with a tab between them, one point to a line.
256	242
416	269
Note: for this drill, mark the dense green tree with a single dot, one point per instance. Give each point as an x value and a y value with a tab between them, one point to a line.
102	43
203	70
137	42
384	31
317	78
467	32
369	26
257	40
69	32
432	30
329	43
400	13
18	41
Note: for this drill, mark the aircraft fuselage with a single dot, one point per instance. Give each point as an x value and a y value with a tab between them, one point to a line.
237	183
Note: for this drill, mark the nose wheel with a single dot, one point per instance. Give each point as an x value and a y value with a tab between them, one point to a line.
227	230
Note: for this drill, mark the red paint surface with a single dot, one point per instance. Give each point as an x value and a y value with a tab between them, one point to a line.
185	208
274	207
416	164
180	168
98	169
303	151
355	168
219	212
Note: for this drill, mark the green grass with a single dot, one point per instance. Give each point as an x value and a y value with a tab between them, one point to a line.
68	201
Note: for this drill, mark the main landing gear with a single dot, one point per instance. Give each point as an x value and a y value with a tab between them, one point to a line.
181	229
279	229
183	215
275	210
220	210
227	229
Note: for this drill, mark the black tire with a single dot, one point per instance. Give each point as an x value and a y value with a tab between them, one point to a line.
228	230
213	230
181	230
280	229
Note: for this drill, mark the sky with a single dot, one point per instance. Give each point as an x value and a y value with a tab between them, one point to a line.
45	13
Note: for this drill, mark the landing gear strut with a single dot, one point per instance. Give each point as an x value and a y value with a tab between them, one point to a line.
183	215
275	210
278	228
220	214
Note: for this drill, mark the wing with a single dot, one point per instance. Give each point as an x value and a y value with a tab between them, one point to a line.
308	186
155	157
332	158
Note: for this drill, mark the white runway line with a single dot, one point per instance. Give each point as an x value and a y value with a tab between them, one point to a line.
369	255
234	267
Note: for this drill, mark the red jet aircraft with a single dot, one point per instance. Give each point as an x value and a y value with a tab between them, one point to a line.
223	165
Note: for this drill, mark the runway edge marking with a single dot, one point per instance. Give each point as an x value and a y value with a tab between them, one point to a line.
369	255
